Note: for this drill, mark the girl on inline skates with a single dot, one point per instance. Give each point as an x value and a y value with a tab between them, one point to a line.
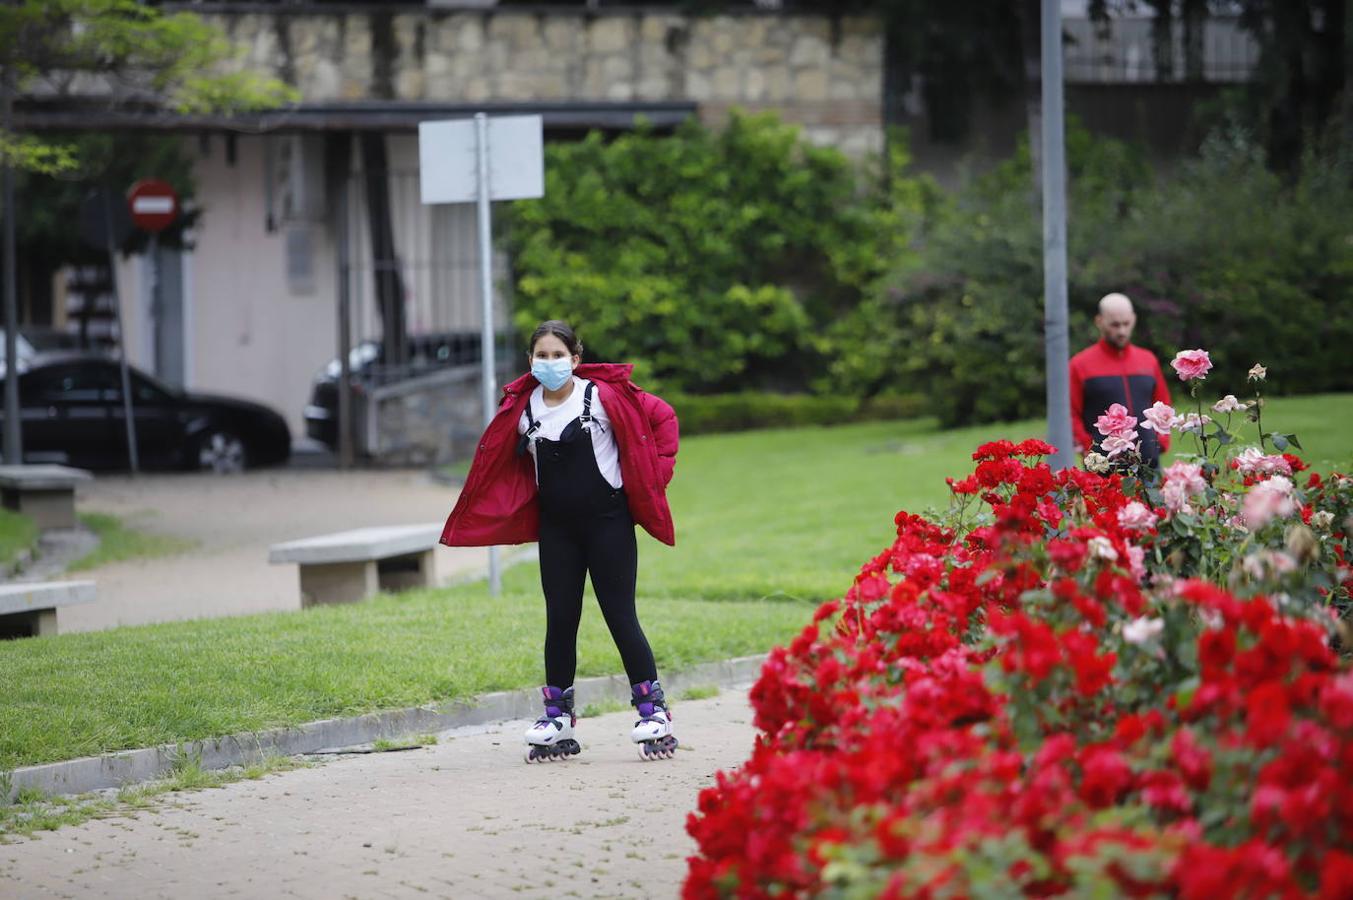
574	457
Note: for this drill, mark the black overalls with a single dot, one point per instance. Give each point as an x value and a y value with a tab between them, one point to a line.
585	526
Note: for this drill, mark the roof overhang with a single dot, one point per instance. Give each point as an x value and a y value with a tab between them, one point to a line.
368	116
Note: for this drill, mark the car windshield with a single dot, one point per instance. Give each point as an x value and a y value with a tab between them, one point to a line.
147	378
358	357
24	349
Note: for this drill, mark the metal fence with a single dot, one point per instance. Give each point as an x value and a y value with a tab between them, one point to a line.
1123	51
434	268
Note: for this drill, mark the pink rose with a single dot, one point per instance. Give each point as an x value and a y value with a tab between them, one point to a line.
1191	364
1135	517
1267	500
1188	474
1228	404
1193	422
1115	421
1137	562
1253	461
1160	418
1119	443
1176	496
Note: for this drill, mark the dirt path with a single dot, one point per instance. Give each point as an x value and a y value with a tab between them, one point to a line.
232	521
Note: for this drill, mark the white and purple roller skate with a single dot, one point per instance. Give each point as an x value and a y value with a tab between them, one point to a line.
551	737
653	731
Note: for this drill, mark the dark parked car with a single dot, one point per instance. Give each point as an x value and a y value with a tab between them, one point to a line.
73	414
366	360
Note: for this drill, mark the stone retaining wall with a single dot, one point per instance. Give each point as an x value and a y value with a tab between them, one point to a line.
825	73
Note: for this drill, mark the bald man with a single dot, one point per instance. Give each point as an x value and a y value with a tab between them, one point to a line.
1114	371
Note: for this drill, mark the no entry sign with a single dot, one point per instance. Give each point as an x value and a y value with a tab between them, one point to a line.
154	205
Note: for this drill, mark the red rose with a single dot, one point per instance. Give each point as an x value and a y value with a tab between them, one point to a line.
1267	713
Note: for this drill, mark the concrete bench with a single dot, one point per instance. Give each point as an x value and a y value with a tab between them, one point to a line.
29	610
46	494
353	565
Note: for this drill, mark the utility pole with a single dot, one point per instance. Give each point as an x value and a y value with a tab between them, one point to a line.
13	434
1056	343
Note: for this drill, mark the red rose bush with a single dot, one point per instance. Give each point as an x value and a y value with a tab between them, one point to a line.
1117	683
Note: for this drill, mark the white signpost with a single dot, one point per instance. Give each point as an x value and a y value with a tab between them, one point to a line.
478	161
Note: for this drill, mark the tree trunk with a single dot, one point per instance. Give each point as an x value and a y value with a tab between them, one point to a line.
1195	48
1347	112
1029	24
384	258
1162	39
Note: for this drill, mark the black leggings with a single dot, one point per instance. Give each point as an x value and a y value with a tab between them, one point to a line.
602	544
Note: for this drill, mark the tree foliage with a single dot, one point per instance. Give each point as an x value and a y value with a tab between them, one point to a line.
120	52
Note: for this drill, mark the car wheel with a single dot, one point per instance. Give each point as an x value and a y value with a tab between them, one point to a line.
221	452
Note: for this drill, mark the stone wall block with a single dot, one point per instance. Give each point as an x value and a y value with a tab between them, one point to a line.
476	89
593	81
698	86
810	85
754	84
653	28
440	82
563	34
652	87
810	50
779	83
725	34
844	89
355	61
470	35
409	83
609	35
727	83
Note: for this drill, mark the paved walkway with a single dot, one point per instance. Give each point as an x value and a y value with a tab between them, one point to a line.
464	818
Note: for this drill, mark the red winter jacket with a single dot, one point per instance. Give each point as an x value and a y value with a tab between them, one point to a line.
498	503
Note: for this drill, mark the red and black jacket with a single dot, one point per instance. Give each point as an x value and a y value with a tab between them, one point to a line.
1102	375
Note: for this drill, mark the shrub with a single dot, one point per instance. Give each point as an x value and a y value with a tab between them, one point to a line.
710	259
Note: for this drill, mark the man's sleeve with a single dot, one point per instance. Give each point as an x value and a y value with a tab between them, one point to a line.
1078	432
1162	395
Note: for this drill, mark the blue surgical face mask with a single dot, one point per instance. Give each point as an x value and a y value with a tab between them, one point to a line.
553	373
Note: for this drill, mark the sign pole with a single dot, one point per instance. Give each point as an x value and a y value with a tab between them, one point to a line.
121	341
154	250
487	363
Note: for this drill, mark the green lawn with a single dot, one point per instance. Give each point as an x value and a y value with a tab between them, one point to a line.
17	534
117	543
766	523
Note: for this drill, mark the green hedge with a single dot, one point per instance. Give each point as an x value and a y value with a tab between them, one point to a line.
704	414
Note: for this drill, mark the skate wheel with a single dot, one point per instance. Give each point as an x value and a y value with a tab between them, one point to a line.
659	748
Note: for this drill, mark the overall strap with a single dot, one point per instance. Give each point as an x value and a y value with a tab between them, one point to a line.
586	417
532	425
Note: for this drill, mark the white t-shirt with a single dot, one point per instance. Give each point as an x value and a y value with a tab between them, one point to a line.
554	419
